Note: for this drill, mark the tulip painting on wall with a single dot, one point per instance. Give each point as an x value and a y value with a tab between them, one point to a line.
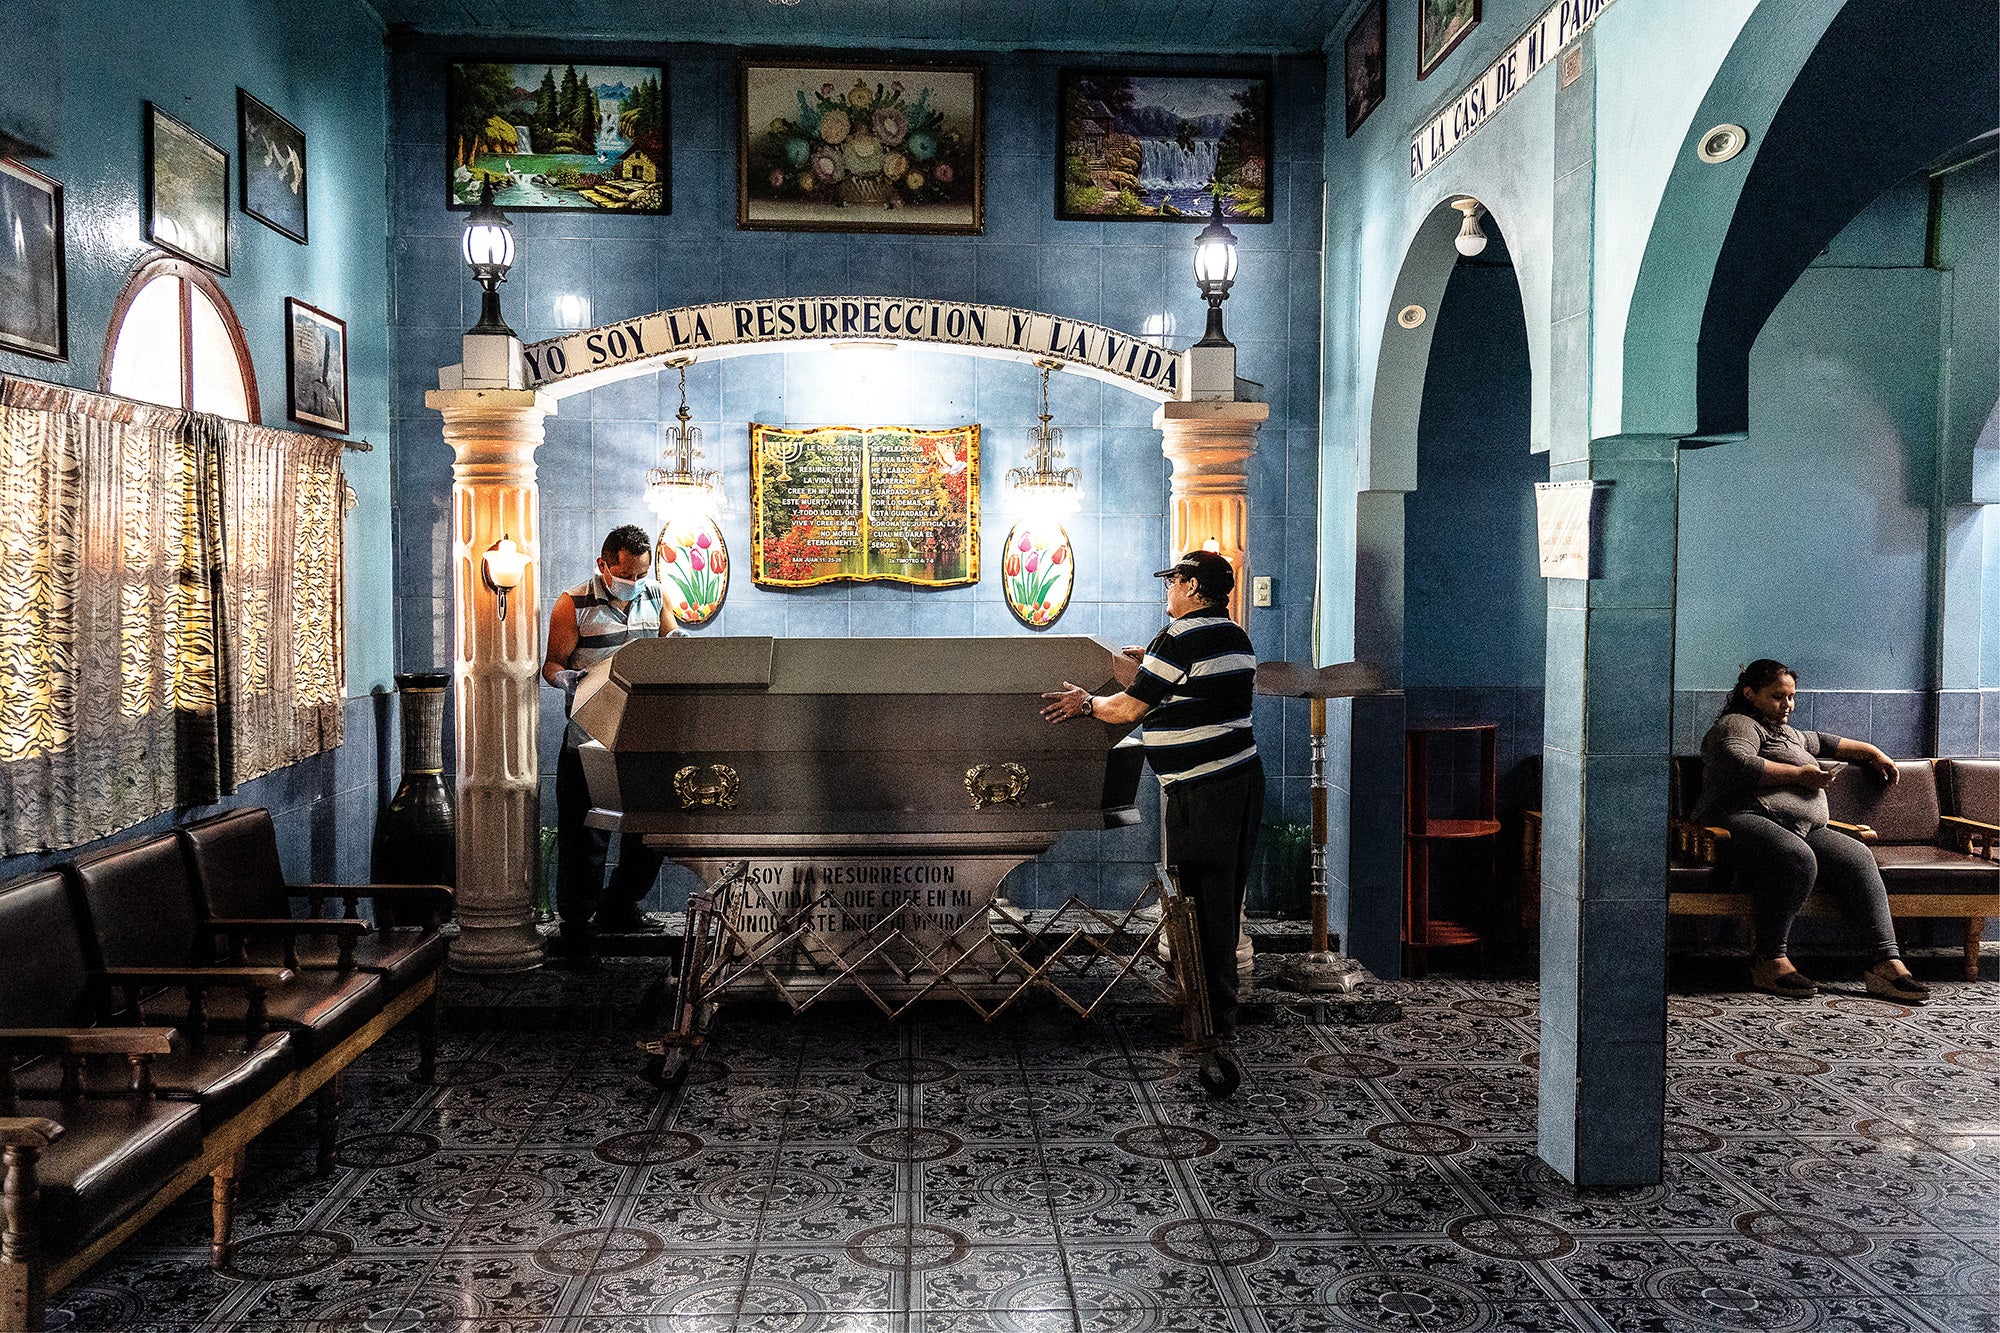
692	564
1037	572
844	147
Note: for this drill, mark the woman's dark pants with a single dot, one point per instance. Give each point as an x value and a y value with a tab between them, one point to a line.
1780	868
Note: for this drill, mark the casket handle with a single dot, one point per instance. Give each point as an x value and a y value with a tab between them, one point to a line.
712	785
1006	791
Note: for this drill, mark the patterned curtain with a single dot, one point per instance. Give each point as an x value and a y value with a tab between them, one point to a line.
170	615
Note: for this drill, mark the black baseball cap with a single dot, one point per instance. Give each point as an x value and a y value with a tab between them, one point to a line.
1213	575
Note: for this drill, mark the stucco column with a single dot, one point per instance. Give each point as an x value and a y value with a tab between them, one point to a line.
1209	444
494	433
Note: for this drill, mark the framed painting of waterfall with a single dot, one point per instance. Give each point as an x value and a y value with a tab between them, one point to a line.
558	136
1153	147
271	166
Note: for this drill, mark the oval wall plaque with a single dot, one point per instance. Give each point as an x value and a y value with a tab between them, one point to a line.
1037	572
692	566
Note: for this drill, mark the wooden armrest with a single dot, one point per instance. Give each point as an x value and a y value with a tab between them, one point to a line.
1532	816
86	1041
1971	825
1703	841
443	893
286	925
28	1131
1861	831
201	978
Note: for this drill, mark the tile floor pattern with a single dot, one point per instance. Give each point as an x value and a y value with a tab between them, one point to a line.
1831	1165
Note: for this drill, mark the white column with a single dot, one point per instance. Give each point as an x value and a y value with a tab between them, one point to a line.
1210	444
495	674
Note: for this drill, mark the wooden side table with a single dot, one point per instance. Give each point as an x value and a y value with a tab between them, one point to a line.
1422	932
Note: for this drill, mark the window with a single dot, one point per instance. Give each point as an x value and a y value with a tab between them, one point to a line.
175	341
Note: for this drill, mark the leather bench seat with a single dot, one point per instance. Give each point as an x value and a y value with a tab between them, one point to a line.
233	863
1938	867
220	1076
141	908
112	1157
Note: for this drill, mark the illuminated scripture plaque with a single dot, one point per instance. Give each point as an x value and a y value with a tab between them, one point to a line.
880	502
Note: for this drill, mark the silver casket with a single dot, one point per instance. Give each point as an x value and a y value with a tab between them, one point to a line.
865	797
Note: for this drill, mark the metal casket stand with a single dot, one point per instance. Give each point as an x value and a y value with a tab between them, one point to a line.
851	807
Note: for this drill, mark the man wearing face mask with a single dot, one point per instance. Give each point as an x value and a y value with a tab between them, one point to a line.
587	624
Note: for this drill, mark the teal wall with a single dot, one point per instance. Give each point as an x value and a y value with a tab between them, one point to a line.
321	68
1810	541
80	72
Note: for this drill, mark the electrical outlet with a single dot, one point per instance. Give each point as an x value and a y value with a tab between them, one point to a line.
1260	590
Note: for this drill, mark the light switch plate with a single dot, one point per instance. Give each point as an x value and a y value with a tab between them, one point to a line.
1260	591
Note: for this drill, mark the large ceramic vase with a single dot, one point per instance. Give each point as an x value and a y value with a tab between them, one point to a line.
416	835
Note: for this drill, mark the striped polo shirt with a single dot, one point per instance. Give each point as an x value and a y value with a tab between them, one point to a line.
1199	676
602	629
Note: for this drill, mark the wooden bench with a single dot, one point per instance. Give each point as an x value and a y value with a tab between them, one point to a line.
132	1065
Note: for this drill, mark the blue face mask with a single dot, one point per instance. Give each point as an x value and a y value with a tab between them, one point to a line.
623	589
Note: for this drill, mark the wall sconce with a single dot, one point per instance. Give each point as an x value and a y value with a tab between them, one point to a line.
1214	271
489	249
501	569
572	311
1471	240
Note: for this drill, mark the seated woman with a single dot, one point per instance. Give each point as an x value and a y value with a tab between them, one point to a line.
1760	779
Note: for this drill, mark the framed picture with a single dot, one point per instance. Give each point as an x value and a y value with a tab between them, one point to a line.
1149	147
1367	63
32	315
315	366
271	167
558	136
187	192
1441	26
833	146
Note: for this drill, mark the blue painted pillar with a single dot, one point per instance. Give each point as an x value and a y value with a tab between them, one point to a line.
1607	738
1372	925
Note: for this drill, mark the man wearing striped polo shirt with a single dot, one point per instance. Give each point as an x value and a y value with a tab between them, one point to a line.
1194	690
587	624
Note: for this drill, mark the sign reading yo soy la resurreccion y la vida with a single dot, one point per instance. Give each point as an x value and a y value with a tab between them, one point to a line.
691	330
1558	26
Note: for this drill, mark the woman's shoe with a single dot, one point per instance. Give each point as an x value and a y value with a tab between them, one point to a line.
1793	985
1901	989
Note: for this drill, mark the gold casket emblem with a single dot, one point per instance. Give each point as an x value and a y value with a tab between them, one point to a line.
1008	790
712	785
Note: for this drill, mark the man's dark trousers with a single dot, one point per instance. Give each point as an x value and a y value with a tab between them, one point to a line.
580	851
1211	828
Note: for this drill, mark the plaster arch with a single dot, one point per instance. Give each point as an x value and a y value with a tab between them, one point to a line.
1841	99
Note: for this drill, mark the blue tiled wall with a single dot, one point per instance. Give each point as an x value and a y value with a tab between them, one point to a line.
1123	276
1900	721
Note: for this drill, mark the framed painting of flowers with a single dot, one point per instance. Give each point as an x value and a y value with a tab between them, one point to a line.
833	146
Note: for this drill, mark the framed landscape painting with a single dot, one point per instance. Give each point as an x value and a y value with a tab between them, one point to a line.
1367	64
832	146
187	192
1149	147
32	315
271	167
1441	26
315	366
558	136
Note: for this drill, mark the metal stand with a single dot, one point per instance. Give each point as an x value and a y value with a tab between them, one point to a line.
1321	972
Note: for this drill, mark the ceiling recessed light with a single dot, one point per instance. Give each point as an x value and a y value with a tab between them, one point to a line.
1722	143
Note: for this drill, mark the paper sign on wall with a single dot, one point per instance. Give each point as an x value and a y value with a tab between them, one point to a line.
1568	528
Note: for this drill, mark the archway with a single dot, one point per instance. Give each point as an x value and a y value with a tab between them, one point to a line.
1453	408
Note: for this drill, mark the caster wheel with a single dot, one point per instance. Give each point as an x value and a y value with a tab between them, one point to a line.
1220	1075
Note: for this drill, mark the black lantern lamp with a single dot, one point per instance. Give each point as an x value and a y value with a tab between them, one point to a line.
1214	271
489	249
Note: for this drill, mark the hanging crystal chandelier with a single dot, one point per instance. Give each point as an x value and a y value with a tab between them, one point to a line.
1041	488
678	488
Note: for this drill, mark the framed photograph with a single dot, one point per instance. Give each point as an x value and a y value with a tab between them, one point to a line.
1441	26
1150	147
833	146
1367	63
187	192
271	167
558	136
32	315
315	366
